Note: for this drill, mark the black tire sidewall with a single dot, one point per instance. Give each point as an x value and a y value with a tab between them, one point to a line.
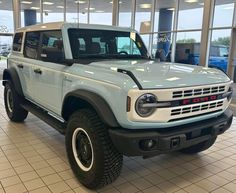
7	87
96	171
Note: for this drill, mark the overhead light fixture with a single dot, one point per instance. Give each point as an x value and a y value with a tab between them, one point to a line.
80	2
46	10
35	8
191	1
91	8
171	9
26	2
202	4
119	2
0	2
60	7
145	6
99	11
48	3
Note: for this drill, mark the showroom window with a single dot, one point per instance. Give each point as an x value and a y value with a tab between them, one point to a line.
190	15
100	12
125	13
6	17
53	10
30	12
77	11
223	13
188	47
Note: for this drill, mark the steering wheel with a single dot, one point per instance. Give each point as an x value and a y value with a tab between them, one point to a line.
123	52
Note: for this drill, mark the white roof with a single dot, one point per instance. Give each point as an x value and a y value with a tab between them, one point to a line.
60	25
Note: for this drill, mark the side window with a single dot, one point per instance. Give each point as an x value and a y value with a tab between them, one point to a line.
52	47
17	42
32	45
126	45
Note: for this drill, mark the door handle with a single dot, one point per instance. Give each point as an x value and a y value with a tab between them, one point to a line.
20	66
38	71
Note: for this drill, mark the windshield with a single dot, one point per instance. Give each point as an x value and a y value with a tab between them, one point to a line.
106	44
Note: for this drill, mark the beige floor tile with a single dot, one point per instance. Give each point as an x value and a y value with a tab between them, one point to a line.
180	182
218	180
168	187
73	183
195	189
153	189
111	190
45	171
7	173
141	183
18	188
154	178
34	184
2	191
231	187
227	175
51	179
23	169
67	174
207	185
40	190
59	187
28	176
221	190
10	181
127	188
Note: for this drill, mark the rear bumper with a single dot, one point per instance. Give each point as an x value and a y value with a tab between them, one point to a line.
132	142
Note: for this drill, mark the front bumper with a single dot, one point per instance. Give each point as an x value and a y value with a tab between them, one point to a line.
131	143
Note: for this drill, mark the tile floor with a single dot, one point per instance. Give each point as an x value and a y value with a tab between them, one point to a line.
33	159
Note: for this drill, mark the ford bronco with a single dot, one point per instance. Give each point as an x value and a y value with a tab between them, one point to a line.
98	86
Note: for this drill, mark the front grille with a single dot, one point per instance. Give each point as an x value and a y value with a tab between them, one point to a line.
197	108
198	92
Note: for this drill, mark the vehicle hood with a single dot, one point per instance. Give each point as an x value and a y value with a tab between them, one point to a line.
152	75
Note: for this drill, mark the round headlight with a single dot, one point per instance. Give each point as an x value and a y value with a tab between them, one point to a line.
144	105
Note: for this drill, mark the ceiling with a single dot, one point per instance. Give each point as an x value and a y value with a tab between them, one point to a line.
104	5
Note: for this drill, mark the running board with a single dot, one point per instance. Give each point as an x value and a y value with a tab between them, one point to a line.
44	116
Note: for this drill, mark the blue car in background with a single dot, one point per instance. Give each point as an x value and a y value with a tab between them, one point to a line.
189	53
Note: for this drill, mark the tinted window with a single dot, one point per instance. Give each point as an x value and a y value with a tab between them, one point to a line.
32	45
52	47
17	42
106	44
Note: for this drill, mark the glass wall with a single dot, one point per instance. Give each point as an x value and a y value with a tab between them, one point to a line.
125	13
6	17
221	34
77	11
30	12
100	12
53	11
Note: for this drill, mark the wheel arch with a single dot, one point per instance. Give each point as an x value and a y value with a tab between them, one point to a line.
79	99
11	75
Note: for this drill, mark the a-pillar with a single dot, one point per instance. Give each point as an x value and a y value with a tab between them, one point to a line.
30	17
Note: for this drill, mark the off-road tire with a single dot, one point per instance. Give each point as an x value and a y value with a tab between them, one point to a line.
15	113
107	161
199	147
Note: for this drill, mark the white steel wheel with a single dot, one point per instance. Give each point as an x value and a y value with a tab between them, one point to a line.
9	101
82	149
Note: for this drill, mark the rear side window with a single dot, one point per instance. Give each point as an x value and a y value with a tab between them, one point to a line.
17	42
32	45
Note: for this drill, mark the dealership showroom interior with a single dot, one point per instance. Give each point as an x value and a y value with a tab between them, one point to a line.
117	96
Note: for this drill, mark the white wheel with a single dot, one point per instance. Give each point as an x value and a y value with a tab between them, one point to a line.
82	149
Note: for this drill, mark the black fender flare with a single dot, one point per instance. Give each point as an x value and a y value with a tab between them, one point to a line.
12	75
95	101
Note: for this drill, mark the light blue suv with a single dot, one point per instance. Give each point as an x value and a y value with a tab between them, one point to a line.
97	85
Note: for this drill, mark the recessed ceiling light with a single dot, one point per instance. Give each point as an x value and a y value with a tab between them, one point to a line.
46	10
91	8
202	4
35	8
119	2
145	6
26	2
80	2
99	11
48	3
171	9
60	7
191	1
0	2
